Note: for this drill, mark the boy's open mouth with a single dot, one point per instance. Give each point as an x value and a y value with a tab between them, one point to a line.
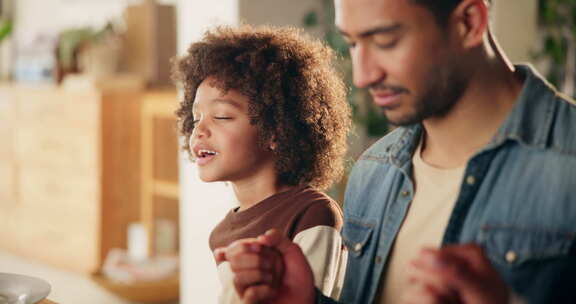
203	156
205	153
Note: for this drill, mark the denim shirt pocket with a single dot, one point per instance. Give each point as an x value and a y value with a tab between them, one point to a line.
356	235
513	247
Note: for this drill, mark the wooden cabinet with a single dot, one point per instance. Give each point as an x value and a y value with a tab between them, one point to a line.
71	171
159	187
53	204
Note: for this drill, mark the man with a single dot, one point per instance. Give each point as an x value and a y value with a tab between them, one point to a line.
471	199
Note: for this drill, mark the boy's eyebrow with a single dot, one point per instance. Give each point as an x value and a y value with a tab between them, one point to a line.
383	29
231	102
227	101
220	101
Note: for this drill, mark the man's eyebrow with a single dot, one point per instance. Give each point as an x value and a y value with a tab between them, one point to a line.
384	29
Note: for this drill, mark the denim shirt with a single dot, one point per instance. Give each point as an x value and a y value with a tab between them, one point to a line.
517	200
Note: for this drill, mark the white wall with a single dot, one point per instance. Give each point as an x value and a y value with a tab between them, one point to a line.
202	205
278	12
515	27
51	16
195	16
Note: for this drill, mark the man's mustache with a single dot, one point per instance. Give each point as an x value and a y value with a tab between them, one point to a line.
380	86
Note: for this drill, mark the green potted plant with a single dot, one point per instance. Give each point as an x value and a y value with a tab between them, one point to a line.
5	28
72	42
365	113
5	31
557	20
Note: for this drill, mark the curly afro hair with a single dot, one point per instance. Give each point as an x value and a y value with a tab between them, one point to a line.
297	98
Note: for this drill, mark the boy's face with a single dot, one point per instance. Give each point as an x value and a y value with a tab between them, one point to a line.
406	60
224	142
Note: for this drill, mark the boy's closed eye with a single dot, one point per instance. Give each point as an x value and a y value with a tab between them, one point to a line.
196	121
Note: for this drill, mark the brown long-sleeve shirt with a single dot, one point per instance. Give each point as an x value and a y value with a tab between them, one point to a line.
306	216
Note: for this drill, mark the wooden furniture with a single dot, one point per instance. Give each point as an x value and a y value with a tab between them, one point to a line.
159	196
73	182
150	40
159	186
70	170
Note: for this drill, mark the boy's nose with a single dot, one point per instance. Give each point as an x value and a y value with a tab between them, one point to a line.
200	130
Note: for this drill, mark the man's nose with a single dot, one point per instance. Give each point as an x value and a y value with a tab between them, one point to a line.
366	69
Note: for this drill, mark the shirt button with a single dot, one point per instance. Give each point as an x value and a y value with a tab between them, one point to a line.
470	180
357	247
511	256
378	259
405	193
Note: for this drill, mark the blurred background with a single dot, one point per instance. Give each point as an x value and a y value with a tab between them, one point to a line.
95	196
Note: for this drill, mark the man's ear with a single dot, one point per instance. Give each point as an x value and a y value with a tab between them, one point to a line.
470	18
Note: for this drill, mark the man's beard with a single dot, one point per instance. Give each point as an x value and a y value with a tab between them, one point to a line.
443	90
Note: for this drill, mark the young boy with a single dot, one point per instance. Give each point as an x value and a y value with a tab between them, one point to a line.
265	110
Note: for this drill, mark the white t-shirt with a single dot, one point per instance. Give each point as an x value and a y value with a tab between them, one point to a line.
436	193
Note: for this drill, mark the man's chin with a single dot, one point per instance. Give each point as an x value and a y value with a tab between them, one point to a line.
402	120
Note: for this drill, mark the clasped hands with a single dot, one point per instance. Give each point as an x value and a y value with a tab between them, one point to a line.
273	269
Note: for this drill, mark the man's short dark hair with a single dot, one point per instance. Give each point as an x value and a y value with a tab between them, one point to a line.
440	8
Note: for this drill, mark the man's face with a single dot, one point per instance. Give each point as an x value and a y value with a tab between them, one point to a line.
400	53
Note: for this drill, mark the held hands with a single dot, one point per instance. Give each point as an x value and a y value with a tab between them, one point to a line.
269	269
273	269
455	274
254	265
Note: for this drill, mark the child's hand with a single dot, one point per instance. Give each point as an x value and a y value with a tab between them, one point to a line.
255	266
269	269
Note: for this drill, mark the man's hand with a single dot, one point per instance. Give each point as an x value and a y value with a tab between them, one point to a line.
428	293
456	274
258	278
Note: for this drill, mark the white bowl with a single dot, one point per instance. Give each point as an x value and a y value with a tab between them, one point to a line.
28	289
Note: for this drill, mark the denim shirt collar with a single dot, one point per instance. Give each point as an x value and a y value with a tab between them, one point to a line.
532	116
529	122
401	151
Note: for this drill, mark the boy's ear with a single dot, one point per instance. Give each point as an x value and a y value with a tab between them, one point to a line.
470	18
272	143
